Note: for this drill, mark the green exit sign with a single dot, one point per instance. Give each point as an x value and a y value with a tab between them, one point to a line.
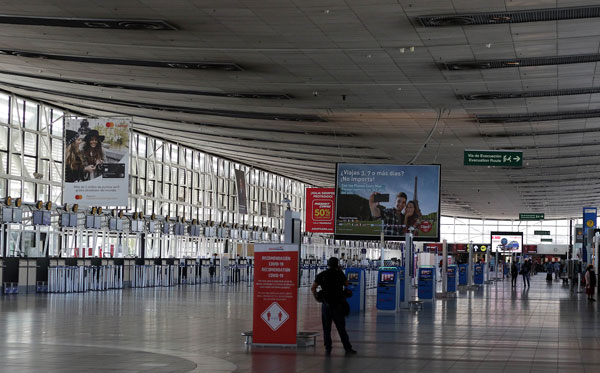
542	233
546	239
501	158
531	216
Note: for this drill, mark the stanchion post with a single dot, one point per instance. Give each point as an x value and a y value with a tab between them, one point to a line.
444	266
470	267
407	268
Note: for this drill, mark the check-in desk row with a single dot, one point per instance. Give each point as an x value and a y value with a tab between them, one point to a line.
66	275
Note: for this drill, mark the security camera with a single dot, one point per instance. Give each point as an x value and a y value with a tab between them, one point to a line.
315	93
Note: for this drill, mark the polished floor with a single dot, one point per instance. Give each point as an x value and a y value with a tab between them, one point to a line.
547	328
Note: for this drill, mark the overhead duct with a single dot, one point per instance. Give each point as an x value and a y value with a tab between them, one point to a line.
521	62
521	16
224	66
530	94
115	24
537	117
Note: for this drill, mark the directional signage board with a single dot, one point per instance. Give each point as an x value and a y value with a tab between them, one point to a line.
502	158
546	239
542	233
531	216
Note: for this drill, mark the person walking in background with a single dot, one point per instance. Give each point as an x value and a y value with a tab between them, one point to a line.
332	282
556	270
590	282
514	273
212	267
526	269
549	270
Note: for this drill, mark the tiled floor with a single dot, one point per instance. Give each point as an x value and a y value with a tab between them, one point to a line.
197	328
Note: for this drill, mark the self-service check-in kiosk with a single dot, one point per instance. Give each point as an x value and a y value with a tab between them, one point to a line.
463	272
426	283
478	274
357	283
388	289
451	278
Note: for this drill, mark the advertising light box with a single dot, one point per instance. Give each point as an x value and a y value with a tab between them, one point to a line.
395	198
507	242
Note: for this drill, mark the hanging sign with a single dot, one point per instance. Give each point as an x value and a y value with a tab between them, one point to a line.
240	184
96	161
319	210
275	304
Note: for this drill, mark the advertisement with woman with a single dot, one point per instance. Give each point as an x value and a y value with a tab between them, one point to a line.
96	161
394	198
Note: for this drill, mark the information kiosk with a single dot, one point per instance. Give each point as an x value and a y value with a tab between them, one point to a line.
463	270
426	282
451	279
357	283
388	289
478	274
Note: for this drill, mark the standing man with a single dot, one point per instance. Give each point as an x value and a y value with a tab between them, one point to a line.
332	282
514	273
393	219
526	269
212	267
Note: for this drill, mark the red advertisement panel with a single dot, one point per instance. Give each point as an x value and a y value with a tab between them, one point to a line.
275	306
433	248
320	204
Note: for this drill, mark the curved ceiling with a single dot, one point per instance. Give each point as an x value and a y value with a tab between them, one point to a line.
295	86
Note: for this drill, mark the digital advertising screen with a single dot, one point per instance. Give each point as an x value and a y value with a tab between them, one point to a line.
395	198
507	242
353	276
386	277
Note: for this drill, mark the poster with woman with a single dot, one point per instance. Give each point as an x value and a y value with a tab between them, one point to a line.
96	161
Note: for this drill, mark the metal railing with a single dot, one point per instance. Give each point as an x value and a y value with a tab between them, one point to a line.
75	279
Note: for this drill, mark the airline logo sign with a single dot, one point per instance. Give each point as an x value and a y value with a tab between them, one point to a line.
275	300
320	204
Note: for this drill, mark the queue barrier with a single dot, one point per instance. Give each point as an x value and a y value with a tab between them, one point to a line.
155	275
10	288
77	279
241	273
189	274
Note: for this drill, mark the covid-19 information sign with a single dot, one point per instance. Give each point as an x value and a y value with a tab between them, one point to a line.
275	306
320	203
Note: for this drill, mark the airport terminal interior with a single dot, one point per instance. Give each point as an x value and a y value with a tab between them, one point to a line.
174	176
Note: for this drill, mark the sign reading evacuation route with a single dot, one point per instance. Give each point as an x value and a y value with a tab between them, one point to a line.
531	216
502	158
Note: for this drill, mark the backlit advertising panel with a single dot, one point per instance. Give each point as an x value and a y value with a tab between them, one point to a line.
507	242
393	198
319	210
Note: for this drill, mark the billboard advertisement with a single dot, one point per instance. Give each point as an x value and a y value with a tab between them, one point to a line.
319	210
393	198
507	242
96	161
